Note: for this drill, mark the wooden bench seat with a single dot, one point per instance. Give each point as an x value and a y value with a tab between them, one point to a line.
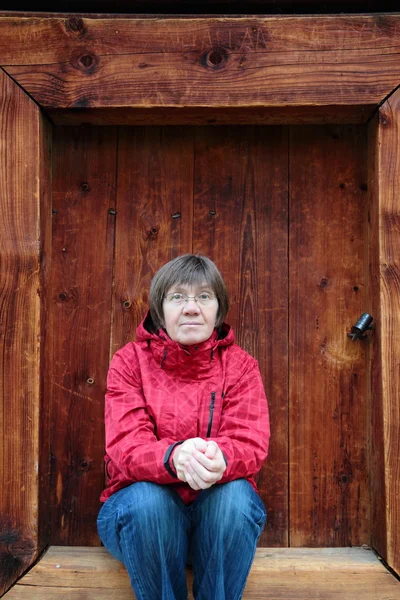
81	573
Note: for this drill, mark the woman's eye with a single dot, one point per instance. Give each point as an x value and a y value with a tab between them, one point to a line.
204	296
177	296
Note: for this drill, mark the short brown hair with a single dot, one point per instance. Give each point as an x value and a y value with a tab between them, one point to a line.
189	269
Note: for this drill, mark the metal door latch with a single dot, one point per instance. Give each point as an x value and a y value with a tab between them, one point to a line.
358	330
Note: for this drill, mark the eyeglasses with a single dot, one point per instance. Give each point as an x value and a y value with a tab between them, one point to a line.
177	299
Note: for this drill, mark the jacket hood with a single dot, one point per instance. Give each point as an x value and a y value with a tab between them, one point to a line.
191	361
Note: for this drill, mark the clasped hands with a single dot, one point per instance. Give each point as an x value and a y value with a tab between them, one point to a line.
199	463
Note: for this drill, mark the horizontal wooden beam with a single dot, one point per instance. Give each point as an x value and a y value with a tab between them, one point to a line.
297	115
205	62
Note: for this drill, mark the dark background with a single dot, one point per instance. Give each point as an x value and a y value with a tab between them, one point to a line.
212	7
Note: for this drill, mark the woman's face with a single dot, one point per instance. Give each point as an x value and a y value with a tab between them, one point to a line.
190	322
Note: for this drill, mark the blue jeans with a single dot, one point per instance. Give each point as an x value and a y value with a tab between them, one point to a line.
150	529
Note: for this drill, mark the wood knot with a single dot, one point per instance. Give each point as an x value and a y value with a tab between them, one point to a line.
85	186
323	283
87	63
383	119
84	465
344	478
215	59
127	303
75	25
63	297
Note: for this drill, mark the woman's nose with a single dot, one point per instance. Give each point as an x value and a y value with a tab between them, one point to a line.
191	306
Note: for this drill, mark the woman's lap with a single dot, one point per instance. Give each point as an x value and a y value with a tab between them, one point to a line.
147	523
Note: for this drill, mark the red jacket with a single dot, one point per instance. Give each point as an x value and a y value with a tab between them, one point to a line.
160	392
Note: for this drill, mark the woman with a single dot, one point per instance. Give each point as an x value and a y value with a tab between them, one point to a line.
187	429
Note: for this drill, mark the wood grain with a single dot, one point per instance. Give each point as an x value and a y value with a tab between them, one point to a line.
329	441
45	178
386	277
240	218
21	326
45	40
297	115
378	475
221	62
182	79
155	215
295	574
80	320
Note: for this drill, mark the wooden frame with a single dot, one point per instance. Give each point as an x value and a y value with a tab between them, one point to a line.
336	69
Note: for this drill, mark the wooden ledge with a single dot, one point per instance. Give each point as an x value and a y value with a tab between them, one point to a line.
80	573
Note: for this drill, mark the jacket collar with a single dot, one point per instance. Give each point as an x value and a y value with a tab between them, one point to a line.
194	362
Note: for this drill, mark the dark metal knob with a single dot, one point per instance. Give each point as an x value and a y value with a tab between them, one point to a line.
358	330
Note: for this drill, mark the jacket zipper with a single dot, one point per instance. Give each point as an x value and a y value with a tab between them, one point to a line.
210	418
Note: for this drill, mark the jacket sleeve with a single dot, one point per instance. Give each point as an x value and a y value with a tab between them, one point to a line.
131	441
244	432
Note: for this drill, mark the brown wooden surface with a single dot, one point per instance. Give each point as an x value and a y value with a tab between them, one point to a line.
23	144
83	237
45	40
329	441
385	261
332	60
378	488
155	216
240	221
45	178
285	574
298	115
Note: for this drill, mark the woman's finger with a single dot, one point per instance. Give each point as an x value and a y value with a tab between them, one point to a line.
191	482
201	458
211	450
202	476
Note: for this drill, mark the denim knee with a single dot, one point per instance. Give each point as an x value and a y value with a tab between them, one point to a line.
232	504
142	507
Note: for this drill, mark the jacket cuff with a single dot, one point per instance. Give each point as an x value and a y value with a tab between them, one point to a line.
167	456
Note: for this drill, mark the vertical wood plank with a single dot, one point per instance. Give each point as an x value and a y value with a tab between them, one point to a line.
241	223
154	221
385	261
329	497
46	135
84	179
378	489
21	145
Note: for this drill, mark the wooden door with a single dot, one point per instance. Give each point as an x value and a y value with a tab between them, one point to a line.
259	201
